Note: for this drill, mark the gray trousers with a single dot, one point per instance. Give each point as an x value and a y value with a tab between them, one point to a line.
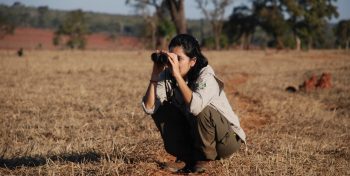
207	136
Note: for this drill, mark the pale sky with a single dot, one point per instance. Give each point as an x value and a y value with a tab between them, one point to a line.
119	7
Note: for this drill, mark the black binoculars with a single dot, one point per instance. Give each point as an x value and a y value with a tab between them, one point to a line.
160	58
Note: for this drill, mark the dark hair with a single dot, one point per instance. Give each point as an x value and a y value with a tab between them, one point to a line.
192	49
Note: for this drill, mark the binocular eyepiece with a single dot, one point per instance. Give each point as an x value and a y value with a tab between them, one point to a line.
160	58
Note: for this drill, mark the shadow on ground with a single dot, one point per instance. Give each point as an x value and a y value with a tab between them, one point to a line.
34	161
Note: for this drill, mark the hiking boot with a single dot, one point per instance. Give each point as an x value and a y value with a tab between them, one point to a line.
199	166
194	167
178	160
171	166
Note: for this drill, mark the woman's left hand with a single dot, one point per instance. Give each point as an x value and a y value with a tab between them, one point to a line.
174	63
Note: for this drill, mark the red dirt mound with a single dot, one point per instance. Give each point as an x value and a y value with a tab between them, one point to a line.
324	82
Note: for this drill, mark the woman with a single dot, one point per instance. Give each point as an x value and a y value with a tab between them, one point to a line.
190	108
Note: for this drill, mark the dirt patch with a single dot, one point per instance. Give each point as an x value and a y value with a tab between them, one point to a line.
249	118
235	80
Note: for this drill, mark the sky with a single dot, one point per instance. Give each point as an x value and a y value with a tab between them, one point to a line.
119	7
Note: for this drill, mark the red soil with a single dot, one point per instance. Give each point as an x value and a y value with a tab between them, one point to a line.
324	82
32	38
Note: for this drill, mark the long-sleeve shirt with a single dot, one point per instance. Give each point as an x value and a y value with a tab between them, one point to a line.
207	91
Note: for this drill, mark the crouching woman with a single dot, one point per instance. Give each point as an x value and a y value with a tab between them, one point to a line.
189	107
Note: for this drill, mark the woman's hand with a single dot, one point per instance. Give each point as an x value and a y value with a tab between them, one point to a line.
157	69
175	70
174	63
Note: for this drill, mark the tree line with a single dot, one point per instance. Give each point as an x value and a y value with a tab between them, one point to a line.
294	24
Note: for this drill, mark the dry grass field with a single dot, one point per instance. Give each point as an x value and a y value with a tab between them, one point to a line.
79	113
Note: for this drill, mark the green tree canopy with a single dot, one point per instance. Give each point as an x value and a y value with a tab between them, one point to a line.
43	20
342	32
241	26
74	26
304	20
308	18
6	25
270	17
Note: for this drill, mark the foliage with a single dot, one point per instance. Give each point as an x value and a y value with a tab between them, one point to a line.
209	42
166	28
215	16
43	13
6	26
44	17
308	18
283	20
168	18
241	25
271	19
342	31
75	28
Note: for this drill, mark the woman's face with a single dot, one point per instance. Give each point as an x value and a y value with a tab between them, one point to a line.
185	63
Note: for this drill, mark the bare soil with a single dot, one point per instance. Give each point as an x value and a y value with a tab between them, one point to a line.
41	39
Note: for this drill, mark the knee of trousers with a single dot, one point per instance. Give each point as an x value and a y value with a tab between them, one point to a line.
205	114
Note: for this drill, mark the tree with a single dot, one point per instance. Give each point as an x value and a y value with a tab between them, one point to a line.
265	14
241	25
165	31
308	18
342	31
270	17
215	16
43	16
152	21
303	20
18	15
159	23
6	25
74	26
177	11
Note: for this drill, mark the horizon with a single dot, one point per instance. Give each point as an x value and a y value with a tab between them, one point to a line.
120	8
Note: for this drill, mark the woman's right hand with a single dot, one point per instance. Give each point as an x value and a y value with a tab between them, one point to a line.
150	96
157	69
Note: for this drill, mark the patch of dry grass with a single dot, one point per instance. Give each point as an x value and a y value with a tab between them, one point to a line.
78	113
